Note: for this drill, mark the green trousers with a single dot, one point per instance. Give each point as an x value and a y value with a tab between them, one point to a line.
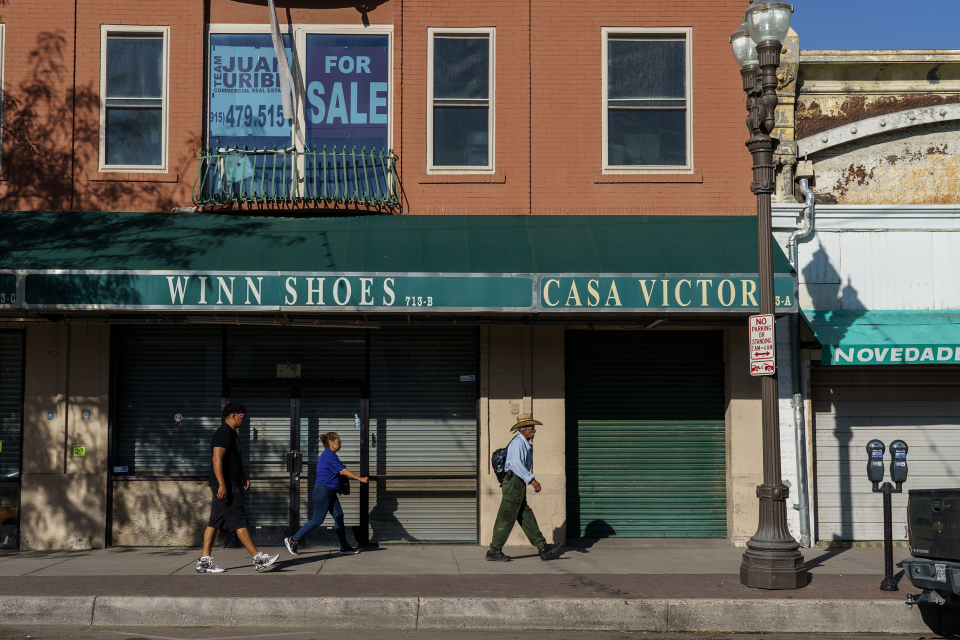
513	509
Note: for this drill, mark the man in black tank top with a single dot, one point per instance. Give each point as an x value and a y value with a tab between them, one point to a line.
228	481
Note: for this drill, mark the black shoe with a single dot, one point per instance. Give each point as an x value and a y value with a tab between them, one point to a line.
497	557
348	550
551	552
291	546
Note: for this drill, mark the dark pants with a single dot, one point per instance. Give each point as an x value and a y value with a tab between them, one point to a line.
324	501
513	509
228	512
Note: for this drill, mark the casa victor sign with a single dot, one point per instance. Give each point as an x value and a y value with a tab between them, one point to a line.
388	292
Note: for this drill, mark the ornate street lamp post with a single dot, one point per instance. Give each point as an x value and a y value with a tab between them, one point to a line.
772	559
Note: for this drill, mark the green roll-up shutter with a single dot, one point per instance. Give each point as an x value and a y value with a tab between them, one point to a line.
646	445
423	434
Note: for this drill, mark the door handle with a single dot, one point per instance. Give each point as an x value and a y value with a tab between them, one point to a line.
294	462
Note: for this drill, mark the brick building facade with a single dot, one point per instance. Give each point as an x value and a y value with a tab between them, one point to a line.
548	106
588	258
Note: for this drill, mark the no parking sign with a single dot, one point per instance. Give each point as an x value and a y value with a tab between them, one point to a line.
763	344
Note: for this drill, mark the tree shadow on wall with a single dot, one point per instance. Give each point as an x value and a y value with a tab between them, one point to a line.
160	513
43	164
58	510
821	277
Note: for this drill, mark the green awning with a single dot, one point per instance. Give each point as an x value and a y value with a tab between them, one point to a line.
439	244
515	263
887	337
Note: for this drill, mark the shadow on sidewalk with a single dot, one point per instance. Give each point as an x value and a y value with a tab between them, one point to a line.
819	561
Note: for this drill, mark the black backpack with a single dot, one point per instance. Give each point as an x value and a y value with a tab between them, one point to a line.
499	463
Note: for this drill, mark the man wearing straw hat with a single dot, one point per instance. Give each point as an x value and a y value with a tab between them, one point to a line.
514	507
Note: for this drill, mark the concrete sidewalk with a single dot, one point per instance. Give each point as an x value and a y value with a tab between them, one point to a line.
641	585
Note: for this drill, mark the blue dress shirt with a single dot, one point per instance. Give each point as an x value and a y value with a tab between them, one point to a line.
520	458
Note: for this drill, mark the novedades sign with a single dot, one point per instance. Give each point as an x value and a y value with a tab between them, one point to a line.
891	354
369	292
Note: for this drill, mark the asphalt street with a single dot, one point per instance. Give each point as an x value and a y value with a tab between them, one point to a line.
220	633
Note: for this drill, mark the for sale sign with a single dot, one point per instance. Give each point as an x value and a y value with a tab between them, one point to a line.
763	342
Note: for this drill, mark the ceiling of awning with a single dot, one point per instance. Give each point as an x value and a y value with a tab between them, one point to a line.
422	244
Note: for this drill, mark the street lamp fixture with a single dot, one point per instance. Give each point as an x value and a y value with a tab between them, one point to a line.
772	559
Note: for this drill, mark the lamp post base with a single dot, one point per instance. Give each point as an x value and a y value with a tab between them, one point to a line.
768	569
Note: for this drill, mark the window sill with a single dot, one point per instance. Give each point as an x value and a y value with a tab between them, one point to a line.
133	176
462	178
607	178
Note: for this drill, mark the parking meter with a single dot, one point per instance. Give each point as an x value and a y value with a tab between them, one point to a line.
898	467
875	450
898	473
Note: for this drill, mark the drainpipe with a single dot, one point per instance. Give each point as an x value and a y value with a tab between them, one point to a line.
806	227
803	506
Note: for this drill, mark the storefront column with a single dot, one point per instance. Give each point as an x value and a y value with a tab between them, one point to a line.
63	496
522	371
744	439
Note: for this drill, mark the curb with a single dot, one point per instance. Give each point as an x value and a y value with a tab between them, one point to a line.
664	616
368	613
506	614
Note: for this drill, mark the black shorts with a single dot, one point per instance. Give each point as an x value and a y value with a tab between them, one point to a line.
229	511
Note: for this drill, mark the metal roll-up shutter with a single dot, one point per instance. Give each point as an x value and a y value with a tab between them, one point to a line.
323	411
646	444
162	372
423	434
853	405
11	431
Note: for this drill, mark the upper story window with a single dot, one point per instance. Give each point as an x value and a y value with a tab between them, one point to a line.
460	90
647	124
133	98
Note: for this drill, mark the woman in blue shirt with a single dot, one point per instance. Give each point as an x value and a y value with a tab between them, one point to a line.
329	470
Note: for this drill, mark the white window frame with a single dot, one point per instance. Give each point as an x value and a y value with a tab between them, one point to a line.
300	56
687	33
105	31
300	33
490	168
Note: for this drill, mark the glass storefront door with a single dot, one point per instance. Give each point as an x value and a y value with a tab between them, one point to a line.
321	411
283	423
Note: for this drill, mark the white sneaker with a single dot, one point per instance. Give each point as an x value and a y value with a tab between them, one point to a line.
205	565
261	561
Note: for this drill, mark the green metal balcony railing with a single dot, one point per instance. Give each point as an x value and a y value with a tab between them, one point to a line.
274	176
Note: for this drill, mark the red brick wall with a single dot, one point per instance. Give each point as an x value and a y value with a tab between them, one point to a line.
548	104
567	109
